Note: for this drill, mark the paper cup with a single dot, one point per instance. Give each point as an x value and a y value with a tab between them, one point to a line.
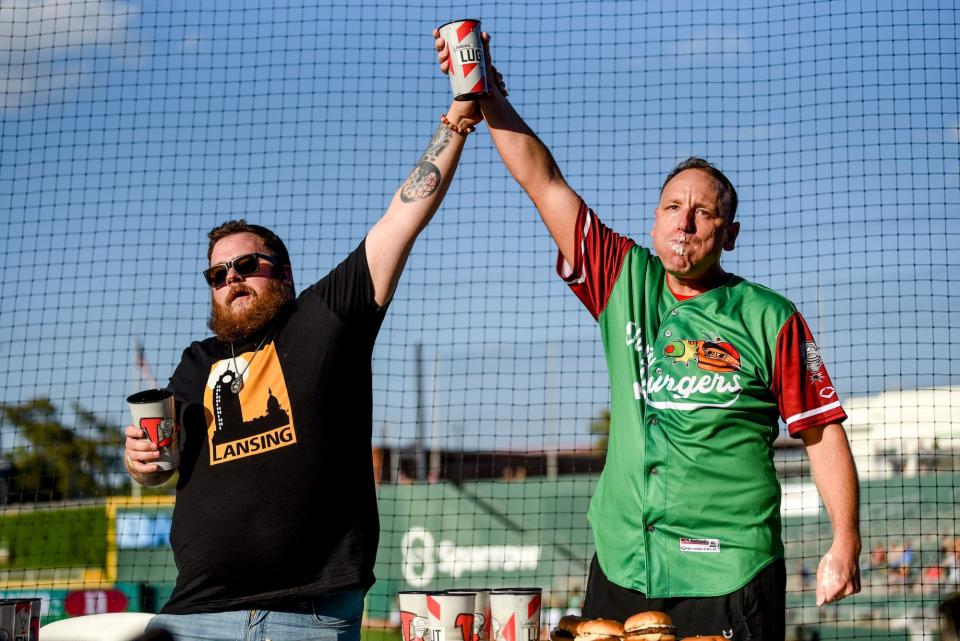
515	614
481	612
154	412
414	622
451	616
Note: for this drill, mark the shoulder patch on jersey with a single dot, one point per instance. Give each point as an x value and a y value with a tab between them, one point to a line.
811	357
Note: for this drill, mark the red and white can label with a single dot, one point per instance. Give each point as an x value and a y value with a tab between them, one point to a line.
468	72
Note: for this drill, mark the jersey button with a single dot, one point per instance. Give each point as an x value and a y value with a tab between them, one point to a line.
650	528
654	421
654	472
674	313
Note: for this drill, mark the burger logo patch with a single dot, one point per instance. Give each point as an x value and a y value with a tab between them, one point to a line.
664	384
712	356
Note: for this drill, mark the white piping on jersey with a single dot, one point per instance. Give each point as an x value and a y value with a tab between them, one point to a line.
813	412
569	277
688	407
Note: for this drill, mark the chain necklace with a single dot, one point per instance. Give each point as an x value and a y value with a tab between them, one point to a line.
237	383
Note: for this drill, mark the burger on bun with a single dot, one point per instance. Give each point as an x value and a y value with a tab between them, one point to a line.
650	626
599	630
566	629
581	629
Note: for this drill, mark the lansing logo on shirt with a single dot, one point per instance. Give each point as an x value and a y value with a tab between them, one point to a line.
255	421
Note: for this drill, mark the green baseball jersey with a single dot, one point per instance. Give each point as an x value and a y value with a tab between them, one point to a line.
689	503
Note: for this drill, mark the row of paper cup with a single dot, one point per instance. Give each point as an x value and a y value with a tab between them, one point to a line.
502	614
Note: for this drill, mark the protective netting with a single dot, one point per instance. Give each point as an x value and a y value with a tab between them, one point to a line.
130	129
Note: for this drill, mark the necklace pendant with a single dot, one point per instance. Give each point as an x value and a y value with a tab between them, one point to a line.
236	385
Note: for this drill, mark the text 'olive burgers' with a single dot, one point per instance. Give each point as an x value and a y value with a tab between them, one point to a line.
650	626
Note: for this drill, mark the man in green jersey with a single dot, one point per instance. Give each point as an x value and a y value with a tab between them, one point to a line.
702	363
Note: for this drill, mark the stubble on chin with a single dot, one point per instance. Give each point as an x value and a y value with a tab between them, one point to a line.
232	326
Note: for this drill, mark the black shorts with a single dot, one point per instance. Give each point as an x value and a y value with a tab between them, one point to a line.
755	612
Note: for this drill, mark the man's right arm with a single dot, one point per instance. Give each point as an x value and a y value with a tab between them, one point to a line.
530	162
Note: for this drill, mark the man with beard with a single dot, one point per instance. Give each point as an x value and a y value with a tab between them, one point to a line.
275	527
701	363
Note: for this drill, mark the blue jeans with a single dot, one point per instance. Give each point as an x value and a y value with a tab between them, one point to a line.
334	616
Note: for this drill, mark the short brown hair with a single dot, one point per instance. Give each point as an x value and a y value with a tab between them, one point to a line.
728	195
270	240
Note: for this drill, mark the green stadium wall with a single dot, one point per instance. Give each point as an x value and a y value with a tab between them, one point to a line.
480	534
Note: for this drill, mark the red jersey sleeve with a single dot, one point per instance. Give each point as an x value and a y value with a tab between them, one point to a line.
599	256
801	384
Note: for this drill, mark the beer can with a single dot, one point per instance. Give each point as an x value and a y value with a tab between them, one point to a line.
450	615
15	618
467	71
7	618
481	612
35	610
414	621
515	614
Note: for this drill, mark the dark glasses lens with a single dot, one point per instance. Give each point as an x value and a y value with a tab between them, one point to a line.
216	276
245	265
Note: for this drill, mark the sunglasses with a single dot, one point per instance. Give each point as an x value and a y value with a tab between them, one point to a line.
245	265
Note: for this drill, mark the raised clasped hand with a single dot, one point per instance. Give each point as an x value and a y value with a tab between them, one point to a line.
463	116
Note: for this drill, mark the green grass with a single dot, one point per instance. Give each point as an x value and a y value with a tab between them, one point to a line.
75	537
380	634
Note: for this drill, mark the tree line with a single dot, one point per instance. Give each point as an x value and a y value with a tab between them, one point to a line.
52	461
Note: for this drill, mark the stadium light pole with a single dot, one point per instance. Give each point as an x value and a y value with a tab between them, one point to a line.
436	456
419	453
552	414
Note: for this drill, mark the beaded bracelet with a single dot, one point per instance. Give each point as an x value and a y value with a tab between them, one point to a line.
452	127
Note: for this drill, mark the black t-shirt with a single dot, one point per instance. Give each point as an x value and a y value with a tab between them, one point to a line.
276	497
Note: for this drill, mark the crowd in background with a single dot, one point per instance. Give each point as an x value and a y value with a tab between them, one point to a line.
900	568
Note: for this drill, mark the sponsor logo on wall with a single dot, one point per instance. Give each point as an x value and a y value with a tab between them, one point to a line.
426	559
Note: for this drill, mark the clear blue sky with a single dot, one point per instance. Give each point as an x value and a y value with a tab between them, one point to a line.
127	131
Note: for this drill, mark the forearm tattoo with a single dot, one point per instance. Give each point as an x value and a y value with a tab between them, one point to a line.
439	142
424	180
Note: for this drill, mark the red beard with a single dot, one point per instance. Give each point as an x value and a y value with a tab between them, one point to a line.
231	327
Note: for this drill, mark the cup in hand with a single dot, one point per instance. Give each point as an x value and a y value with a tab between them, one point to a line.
154	412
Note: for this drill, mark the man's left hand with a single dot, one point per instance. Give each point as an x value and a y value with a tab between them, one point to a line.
838	576
464	115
